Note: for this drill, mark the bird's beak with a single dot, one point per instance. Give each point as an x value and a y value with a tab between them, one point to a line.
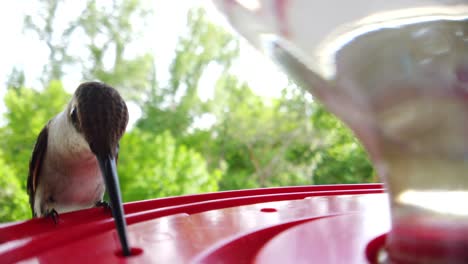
109	172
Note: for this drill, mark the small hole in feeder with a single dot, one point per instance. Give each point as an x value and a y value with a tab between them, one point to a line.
268	210
375	250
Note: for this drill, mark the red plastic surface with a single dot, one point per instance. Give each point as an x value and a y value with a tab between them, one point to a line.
337	239
271	225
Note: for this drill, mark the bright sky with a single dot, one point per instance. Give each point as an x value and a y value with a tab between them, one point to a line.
170	18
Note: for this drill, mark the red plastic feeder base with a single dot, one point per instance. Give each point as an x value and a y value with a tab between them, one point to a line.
307	224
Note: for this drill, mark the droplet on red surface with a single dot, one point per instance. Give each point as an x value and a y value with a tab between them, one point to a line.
134	251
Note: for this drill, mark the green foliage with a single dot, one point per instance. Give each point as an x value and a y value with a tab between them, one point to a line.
13	198
152	166
57	39
254	136
175	105
109	31
340	158
28	111
16	79
97	30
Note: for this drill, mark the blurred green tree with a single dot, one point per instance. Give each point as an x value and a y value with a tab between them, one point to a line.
255	136
340	158
154	165
101	33
110	30
27	112
43	23
175	106
13	198
16	79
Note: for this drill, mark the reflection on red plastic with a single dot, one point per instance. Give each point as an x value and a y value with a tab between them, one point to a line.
413	238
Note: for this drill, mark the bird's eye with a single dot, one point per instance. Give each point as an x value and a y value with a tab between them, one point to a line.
74	116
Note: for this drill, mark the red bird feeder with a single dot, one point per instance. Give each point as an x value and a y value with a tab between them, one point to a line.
306	224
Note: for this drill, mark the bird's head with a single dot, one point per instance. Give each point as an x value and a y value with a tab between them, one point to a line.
98	112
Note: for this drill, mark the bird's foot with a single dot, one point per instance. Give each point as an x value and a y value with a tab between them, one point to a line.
104	204
52	213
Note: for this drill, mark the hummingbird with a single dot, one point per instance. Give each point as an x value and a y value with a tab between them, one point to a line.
75	156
